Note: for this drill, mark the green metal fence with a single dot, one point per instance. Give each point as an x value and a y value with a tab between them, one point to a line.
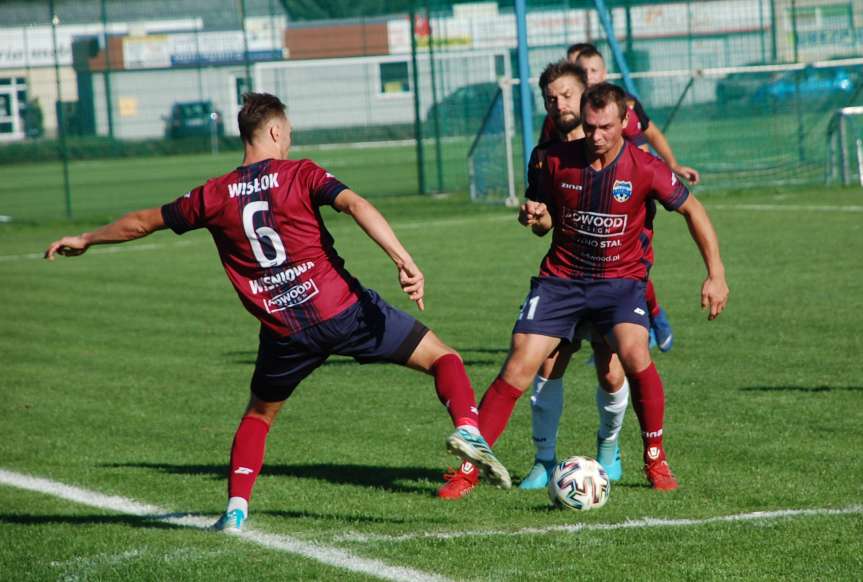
405	85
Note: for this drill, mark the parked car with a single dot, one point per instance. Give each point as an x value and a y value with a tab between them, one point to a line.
193	118
808	83
779	86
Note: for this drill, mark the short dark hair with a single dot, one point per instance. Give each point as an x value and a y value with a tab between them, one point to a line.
579	48
601	94
258	108
590	52
558	69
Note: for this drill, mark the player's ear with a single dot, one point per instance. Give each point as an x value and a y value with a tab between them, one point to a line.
274	131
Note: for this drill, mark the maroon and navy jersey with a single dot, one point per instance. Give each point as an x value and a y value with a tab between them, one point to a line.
265	220
548	131
603	218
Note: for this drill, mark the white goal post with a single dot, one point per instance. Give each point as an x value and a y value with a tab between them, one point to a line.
839	142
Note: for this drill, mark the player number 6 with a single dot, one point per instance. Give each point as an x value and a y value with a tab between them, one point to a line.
262	232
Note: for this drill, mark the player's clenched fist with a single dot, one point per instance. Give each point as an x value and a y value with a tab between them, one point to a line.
532	212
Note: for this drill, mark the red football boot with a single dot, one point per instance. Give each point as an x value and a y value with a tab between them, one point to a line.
459	482
659	475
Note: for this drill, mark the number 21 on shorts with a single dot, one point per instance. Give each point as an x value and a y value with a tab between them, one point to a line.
531	308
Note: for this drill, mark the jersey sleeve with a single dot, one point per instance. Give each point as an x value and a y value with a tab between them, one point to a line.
666	186
323	186
643	119
548	130
534	169
633	130
186	212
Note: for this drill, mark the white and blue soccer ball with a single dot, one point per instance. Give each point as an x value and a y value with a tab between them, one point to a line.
579	483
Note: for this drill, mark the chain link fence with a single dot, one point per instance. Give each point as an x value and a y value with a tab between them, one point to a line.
393	95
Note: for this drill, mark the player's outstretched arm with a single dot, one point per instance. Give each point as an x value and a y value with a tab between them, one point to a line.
659	142
133	225
714	290
376	226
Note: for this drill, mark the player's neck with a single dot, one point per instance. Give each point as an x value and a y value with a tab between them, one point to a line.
600	161
253	155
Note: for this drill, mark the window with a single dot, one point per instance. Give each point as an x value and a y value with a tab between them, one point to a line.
394	78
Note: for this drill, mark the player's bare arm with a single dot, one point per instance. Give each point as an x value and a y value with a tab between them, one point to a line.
714	291
133	225
378	229
657	139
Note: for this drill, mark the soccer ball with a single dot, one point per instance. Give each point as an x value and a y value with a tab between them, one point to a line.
579	483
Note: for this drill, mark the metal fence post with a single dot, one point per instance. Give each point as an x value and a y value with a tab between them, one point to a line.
418	126
61	123
436	120
106	73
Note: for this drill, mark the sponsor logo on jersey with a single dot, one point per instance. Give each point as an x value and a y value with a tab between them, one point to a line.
279	279
594	223
568	186
621	190
296	295
639	311
261	184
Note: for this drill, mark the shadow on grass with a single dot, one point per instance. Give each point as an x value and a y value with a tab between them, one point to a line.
790	388
249	359
395	479
133	520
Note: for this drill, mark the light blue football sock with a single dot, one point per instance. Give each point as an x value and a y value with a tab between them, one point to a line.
546	406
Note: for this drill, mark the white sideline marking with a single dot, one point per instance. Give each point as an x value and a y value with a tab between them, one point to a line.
787	207
328	555
628	524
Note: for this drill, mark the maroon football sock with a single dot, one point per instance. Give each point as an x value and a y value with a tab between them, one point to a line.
650	296
648	400
496	409
454	390
247	456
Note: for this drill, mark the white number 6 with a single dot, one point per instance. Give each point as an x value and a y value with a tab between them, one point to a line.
256	234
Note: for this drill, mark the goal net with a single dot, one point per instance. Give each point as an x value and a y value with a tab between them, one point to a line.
491	168
740	127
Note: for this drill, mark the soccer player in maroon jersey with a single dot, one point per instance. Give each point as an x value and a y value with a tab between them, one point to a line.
265	220
562	85
598	192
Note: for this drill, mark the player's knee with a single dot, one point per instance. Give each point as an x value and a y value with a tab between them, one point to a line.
611	380
447	354
634	361
519	373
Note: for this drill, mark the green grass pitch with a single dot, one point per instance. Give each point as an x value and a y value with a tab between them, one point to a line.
125	373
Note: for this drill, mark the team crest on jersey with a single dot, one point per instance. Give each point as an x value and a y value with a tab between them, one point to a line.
621	190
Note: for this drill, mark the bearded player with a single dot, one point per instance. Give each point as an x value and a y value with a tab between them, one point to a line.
599	191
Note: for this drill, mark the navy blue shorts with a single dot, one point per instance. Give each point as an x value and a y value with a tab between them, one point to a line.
370	330
554	307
